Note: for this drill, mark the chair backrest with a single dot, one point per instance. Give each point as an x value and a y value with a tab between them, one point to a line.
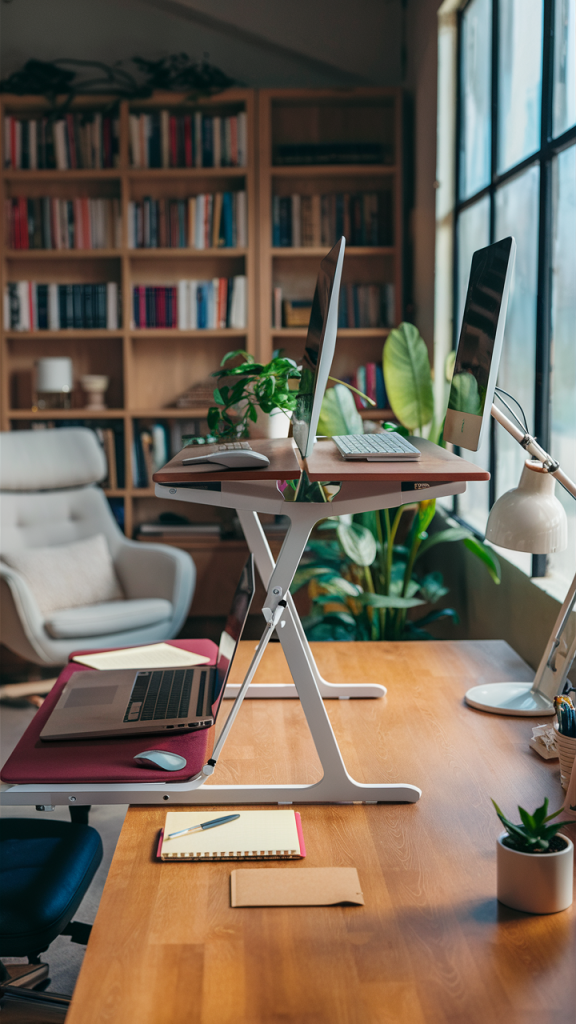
48	495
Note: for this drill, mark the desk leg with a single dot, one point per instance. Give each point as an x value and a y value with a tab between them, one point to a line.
291	634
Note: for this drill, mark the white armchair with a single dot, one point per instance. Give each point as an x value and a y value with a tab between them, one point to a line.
49	498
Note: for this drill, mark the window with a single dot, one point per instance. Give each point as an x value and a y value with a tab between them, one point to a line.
516	175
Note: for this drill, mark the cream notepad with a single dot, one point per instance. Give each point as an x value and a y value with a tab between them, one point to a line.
255	835
151	656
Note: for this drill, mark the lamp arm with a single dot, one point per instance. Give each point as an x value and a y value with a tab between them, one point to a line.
560	652
531	445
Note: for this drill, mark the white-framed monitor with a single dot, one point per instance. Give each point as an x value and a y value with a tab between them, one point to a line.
319	349
480	344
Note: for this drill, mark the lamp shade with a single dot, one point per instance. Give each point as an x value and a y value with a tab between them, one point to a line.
54	374
530	517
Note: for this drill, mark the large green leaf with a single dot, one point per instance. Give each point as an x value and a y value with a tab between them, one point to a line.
358	543
388	601
451	534
339	414
486	554
407	376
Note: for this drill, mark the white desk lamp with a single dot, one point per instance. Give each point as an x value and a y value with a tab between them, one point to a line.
530	518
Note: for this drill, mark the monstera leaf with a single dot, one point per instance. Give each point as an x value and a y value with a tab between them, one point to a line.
339	414
407	376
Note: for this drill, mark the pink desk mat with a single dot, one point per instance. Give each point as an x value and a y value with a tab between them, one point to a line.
106	760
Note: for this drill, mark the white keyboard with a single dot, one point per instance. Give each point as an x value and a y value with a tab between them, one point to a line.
386	447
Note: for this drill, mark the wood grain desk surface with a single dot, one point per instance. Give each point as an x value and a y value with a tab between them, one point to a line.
431	945
435	466
284	465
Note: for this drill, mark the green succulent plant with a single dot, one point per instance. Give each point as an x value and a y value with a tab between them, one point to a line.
534	834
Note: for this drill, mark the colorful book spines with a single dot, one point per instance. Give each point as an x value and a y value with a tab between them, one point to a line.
29	306
49	223
204	221
369	379
77	141
191	305
163	139
366	305
365	219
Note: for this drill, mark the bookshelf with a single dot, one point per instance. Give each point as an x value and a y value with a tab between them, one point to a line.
296	124
148	367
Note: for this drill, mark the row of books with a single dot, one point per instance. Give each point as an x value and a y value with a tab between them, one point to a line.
369	379
360	305
364	219
88	141
163	139
48	223
205	221
192	305
29	306
294	153
154	444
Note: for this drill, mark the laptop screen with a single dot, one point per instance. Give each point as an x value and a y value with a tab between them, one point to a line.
233	631
319	350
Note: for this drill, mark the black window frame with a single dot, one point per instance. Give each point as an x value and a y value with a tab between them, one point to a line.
550	147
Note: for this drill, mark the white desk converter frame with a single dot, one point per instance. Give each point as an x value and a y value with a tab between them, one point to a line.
336	785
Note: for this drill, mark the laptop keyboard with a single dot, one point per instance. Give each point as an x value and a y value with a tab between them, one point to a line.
164	694
375	444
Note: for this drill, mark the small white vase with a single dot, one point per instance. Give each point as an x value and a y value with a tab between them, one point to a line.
95	385
271	425
537	883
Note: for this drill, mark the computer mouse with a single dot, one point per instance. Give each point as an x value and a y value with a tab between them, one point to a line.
234	459
164	759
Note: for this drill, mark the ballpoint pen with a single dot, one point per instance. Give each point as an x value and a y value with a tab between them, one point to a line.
205	824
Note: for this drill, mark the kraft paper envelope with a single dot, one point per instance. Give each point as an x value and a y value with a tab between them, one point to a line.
306	887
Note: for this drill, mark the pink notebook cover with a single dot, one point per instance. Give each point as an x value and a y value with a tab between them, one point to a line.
106	760
298	826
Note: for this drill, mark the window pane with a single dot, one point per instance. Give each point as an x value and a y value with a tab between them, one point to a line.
564	65
519	80
476	41
516	213
563	391
473	233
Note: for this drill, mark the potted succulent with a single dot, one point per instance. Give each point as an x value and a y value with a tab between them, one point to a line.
534	864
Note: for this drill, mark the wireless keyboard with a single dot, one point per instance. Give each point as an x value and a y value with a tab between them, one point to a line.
386	447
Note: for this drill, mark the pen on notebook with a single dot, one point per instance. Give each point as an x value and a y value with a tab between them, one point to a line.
205	824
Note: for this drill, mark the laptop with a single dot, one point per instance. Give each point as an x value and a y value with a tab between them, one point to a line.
155	701
316	365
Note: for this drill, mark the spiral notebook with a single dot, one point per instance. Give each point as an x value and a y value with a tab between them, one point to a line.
255	835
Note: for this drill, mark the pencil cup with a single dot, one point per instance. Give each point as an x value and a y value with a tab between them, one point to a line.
566	753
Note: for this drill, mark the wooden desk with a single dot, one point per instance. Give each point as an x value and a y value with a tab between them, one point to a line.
431	945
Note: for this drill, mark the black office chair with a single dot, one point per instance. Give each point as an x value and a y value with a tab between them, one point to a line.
45	870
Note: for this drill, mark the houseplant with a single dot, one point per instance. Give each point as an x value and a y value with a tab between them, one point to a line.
534	864
248	387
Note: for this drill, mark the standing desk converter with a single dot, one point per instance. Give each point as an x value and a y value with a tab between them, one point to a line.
364	486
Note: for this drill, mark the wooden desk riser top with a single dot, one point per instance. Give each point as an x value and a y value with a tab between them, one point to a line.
431	945
437	465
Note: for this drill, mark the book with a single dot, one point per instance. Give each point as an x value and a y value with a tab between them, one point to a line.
149	656
365	219
255	835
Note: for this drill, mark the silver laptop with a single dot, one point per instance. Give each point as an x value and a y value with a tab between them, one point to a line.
125	702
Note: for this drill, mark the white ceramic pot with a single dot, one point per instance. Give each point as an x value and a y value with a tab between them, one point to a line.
537	883
271	425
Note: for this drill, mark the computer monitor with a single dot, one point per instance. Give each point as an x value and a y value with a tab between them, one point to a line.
480	345
319	350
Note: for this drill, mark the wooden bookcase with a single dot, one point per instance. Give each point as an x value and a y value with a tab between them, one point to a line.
303	116
149	368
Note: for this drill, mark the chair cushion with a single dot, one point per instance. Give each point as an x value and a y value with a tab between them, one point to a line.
43	460
68	575
108	617
45	869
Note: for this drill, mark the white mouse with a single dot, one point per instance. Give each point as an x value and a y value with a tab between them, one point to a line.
235	458
165	759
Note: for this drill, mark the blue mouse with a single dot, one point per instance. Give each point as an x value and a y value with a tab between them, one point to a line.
163	759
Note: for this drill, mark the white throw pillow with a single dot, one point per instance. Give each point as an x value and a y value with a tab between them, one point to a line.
68	575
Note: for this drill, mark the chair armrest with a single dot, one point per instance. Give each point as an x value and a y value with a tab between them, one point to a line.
156	570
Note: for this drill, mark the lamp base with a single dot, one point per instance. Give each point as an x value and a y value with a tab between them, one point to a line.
509	699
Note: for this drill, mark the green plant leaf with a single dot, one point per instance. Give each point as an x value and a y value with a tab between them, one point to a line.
439	613
388	601
464	394
339	414
432	587
358	543
486	554
407	377
448	536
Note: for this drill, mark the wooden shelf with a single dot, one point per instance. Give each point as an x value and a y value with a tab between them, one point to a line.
173	332
186	172
199	413
320	252
377	414
58	254
199	254
343	332
332	170
55	175
66	414
71	332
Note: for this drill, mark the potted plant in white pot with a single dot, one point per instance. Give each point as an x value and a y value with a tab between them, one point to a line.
535	865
